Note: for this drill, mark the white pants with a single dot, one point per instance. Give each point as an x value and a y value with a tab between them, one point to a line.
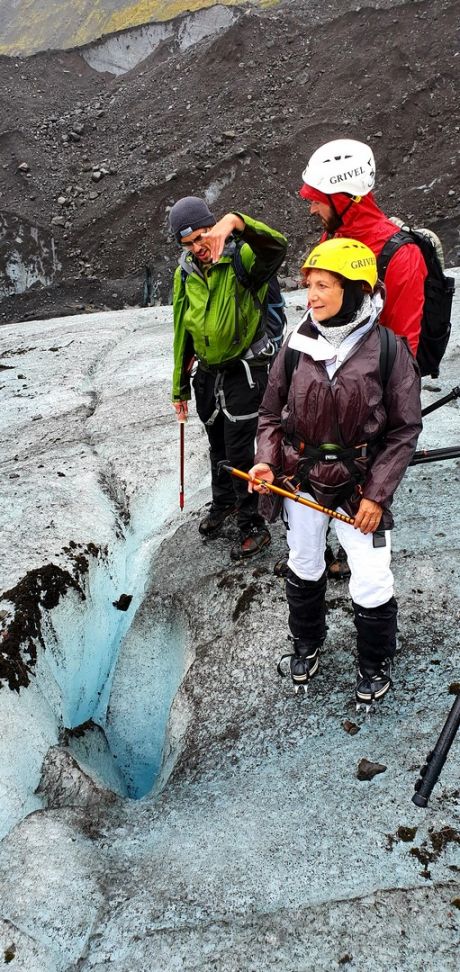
371	581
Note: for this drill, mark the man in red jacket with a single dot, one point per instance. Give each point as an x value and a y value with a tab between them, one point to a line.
338	180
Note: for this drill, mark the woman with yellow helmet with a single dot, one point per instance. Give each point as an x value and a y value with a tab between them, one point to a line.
342	435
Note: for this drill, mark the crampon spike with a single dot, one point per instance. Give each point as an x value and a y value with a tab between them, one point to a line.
301	692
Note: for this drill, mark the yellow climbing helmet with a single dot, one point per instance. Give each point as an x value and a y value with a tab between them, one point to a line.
350	258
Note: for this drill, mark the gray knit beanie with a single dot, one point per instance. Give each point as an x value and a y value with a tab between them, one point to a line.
189	214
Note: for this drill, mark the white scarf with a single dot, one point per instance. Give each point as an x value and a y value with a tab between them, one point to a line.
335	335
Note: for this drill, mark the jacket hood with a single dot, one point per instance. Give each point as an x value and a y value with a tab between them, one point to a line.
363	221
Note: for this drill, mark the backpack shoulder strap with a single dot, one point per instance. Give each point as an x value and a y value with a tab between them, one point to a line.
188	266
242	275
291	359
388	348
391	246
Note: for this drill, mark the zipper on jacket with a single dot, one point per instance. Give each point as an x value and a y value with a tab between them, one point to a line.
237	338
205	317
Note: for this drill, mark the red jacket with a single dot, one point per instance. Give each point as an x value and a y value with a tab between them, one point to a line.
406	273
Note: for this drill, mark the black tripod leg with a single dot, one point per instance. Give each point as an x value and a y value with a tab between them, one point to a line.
455	393
435	760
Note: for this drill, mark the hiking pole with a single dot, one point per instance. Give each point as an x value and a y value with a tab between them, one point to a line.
435	455
455	393
284	492
182	465
435	760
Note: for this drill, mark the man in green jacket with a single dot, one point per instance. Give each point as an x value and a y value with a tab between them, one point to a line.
220	321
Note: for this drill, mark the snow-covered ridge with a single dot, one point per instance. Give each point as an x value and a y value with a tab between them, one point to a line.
120	52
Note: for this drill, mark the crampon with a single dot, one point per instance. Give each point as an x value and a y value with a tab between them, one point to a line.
372	684
303	665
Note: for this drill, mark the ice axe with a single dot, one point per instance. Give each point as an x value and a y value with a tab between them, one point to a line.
181	464
286	494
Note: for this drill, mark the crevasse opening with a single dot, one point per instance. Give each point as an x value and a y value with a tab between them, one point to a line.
119	670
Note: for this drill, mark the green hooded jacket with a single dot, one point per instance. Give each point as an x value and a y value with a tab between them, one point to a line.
215	317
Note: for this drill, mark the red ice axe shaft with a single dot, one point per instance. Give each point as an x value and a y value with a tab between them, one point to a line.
181	465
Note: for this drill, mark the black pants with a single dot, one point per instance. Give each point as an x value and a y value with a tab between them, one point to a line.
307	608
376	628
228	403
376	632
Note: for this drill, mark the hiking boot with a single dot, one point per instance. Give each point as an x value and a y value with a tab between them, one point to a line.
373	681
251	544
304	662
214	519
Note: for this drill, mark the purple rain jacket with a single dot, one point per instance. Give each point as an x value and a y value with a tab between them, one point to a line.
308	409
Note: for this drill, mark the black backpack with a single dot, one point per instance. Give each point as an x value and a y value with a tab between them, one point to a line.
439	292
272	309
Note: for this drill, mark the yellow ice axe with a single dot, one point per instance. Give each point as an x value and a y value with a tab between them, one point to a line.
286	494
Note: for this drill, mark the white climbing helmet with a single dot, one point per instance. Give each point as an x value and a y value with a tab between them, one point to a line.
343	165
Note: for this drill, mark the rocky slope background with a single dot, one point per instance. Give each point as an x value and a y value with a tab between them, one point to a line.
98	142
